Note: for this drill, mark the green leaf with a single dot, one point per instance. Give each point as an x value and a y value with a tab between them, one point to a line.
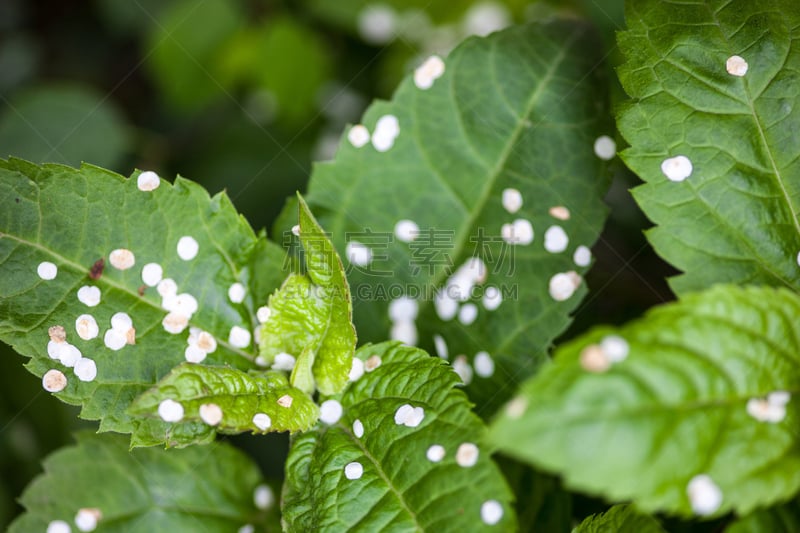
734	219
197	489
779	519
73	218
311	315
63	123
620	519
690	408
340	479
520	109
229	397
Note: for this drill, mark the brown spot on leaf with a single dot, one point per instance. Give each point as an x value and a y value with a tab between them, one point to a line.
97	268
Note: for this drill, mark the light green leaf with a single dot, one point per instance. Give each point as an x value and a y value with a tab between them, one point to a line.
311	315
73	218
520	109
779	519
229	397
208	489
382	480
735	218
690	408
620	519
63	123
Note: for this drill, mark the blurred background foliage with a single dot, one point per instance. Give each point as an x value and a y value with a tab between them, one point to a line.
243	95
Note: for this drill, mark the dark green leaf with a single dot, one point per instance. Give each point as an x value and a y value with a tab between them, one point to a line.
520	109
735	218
208	489
680	411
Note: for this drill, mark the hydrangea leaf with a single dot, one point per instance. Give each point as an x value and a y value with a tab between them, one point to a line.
716	82
74	219
519	109
620	519
311	315
688	410
339	478
207	489
239	396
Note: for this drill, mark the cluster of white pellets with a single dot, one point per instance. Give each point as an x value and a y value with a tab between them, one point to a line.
771	409
562	285
482	363
466	456
198	345
518	232
458	289
409	416
403	314
598	358
462	367
428	72
86	519
89	295
358	253
84	368
121	332
179	306
387	129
